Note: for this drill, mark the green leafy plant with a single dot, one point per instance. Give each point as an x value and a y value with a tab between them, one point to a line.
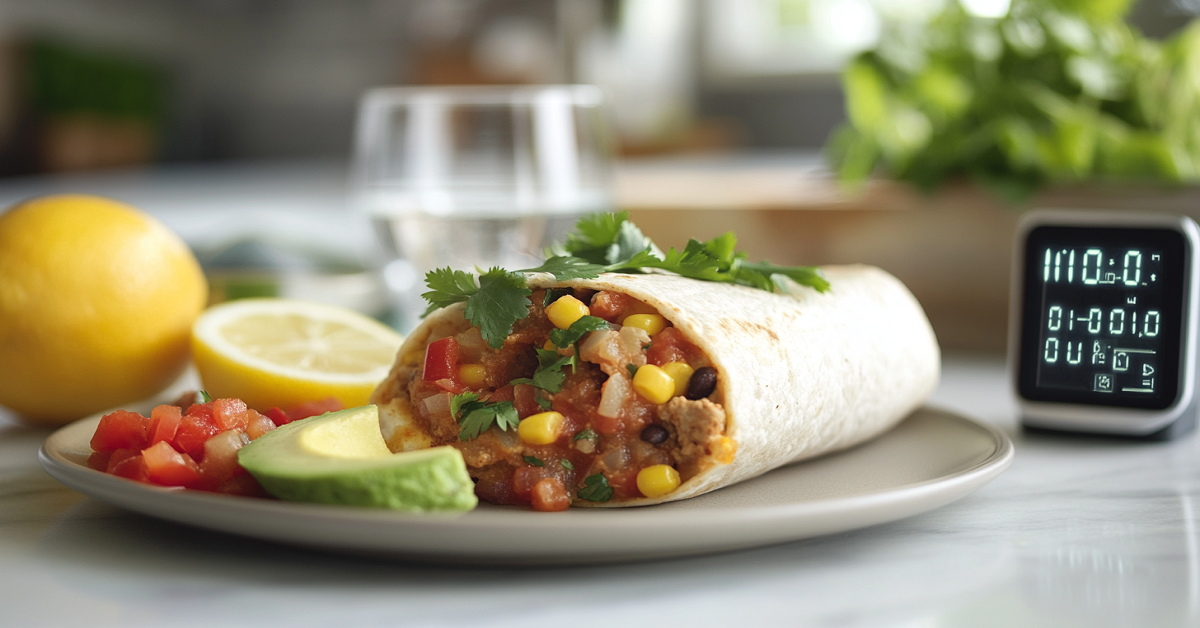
1055	91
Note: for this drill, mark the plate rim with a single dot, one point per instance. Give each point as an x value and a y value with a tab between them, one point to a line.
867	509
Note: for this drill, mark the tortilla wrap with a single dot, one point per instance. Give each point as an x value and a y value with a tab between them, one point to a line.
801	374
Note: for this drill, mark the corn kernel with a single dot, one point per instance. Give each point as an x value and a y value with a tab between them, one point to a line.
549	346
472	375
680	373
654	384
650	323
657	480
542	428
566	310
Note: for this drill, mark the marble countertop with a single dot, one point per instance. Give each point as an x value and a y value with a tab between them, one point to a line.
1077	532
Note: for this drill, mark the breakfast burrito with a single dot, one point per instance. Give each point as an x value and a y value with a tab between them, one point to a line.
636	389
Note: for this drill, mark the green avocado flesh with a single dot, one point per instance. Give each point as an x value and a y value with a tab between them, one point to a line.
340	458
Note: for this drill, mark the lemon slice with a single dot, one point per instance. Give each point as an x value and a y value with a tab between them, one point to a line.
280	353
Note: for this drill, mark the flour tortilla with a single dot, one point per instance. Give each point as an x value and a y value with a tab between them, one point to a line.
801	374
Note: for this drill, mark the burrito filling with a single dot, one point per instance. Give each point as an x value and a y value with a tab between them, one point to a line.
593	396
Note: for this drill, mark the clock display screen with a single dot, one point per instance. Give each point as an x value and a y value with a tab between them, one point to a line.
1103	316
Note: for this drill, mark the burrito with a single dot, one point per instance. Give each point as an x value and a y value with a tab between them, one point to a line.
676	388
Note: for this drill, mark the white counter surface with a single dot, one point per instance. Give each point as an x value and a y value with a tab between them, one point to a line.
1077	532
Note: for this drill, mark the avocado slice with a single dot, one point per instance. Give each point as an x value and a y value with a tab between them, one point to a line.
341	458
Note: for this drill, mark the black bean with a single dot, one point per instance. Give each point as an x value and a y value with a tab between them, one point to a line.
702	383
654	434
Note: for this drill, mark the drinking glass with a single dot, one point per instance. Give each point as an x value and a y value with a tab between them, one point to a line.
471	177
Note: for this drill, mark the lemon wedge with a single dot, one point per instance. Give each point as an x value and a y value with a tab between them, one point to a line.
281	353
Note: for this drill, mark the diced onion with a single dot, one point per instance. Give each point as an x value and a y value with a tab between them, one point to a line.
616	459
631	340
598	346
437	406
614	395
614	351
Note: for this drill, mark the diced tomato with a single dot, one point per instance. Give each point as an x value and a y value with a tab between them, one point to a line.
115	458
313	408
550	496
201	409
168	467
259	425
441	360
525	478
608	425
128	463
220	456
525	400
669	345
164	422
624	483
495	489
610	306
277	416
194	430
166	446
99	460
120	430
503	393
230	414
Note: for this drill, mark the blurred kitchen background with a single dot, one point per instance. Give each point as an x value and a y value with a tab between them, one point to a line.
207	111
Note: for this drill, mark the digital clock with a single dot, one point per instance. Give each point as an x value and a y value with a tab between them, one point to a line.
1103	322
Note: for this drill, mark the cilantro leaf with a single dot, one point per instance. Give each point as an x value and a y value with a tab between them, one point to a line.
629	242
804	275
447	287
475	417
502	299
202	396
593	236
534	460
632	369
571	335
567	464
596	488
478	420
587	434
553	295
542	401
564	268
458	401
548	376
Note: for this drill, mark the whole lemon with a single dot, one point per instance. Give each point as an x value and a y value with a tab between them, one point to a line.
97	302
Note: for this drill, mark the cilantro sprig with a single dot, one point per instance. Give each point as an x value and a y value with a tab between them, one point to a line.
498	298
475	417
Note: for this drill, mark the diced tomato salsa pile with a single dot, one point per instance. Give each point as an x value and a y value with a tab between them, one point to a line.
196	448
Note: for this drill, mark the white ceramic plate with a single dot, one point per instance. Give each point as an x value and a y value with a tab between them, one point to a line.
931	459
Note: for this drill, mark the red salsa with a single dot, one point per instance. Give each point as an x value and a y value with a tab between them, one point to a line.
196	448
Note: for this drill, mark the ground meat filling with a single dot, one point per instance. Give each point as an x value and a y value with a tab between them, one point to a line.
601	423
